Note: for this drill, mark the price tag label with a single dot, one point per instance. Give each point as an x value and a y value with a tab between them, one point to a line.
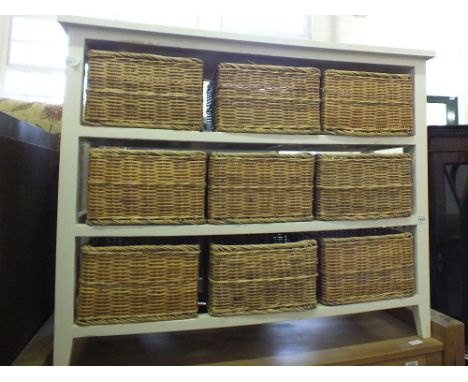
421	220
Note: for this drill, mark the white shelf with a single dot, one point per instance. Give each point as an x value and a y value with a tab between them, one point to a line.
250	138
205	321
190	34
213	48
83	230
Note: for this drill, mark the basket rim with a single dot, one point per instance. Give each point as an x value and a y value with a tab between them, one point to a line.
88	249
325	300
138	151
402	156
217	311
125	220
364	74
374	237
229	248
398	132
123	319
97	53
259	219
222	99
251	128
216	185
271	68
364	187
259	155
107	91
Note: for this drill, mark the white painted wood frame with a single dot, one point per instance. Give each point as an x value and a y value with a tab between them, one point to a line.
70	230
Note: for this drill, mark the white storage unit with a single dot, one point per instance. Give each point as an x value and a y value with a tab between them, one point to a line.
213	47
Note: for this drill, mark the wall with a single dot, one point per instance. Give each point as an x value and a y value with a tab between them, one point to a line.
446	73
4	34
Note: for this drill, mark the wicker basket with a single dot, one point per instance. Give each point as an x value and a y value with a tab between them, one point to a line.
146	186
259	187
274	276
264	99
365	266
120	284
364	186
367	103
144	90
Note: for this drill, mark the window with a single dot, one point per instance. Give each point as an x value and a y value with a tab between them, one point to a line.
35	67
35	49
442	110
38	42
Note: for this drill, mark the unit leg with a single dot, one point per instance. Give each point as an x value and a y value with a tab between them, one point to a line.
422	319
63	345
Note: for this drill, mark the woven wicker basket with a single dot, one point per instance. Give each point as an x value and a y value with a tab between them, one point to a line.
274	276
120	284
144	90
264	99
364	186
367	103
146	186
365	266
259	187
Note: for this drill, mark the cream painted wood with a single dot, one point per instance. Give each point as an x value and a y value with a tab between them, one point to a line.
205	321
65	274
83	230
422	311
195	35
70	230
222	137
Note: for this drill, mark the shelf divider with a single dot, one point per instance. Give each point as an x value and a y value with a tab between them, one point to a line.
83	230
248	138
205	321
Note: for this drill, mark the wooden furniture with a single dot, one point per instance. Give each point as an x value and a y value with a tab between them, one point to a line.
448	208
451	333
362	339
214	48
28	205
369	338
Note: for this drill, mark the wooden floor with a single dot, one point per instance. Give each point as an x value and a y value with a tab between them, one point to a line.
384	338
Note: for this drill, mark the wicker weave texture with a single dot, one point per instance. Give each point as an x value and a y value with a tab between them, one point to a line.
144	90
259	187
367	103
365	268
120	284
265	99
146	186
364	186
261	278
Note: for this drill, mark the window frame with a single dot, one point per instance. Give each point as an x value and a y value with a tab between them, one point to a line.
5	30
451	104
5	64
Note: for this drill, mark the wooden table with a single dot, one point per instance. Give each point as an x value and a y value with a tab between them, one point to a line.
378	338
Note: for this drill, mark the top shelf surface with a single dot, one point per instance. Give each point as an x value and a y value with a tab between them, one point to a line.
97	24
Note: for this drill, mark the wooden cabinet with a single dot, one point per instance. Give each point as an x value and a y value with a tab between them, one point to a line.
28	205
